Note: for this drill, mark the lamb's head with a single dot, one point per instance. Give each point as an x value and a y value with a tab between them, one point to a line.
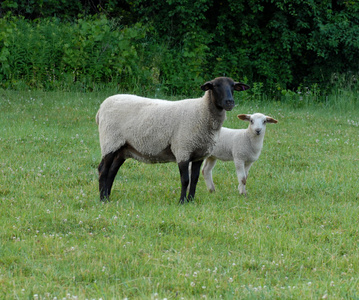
222	89
257	122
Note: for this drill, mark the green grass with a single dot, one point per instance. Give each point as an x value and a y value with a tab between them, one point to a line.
294	236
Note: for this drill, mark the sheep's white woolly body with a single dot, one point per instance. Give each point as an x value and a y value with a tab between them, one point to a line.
243	146
157	130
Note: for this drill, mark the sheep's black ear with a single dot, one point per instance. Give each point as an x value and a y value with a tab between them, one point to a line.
207	86
271	120
244	117
240	86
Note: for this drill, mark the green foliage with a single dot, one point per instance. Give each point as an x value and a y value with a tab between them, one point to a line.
50	54
176	45
182	69
34	9
285	43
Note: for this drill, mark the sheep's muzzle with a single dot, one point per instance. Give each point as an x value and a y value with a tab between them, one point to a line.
228	105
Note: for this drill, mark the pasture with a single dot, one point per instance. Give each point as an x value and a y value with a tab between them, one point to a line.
294	236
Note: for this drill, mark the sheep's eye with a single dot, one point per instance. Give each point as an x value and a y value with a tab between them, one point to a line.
252	122
265	121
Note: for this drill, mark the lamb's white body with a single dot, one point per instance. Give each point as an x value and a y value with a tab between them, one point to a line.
243	146
152	131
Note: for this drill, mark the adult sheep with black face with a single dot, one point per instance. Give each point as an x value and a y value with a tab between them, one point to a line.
159	131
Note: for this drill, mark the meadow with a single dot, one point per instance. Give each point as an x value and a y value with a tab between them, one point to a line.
295	236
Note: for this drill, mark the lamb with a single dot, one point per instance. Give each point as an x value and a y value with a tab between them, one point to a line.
241	145
159	131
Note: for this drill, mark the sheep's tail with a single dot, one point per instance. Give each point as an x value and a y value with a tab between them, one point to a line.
98	118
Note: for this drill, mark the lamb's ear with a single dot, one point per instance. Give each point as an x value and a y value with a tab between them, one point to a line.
207	86
271	120
244	117
239	86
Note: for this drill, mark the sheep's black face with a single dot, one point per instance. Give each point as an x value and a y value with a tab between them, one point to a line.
222	89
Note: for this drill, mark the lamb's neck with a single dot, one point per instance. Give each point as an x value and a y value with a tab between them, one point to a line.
256	142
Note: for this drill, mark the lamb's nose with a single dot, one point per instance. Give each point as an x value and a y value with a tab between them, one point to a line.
258	131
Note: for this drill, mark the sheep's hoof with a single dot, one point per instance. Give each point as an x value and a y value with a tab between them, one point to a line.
104	199
186	200
182	201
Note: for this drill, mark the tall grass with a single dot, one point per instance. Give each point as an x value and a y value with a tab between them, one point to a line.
294	236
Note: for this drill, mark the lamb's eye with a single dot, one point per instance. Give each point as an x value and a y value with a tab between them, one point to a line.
264	121
252	122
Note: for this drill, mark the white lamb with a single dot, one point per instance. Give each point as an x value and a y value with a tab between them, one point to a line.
155	131
243	146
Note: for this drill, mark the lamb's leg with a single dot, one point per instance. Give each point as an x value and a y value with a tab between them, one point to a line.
196	167
208	166
242	178
183	168
247	166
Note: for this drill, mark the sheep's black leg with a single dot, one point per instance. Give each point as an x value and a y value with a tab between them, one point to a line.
103	170
196	166
183	168
107	170
115	166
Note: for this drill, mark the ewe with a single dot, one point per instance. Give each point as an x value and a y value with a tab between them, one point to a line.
243	146
158	131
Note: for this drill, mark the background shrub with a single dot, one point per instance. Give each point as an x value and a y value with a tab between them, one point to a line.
175	45
49	54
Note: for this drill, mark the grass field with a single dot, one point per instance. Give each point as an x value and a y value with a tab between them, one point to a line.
294	236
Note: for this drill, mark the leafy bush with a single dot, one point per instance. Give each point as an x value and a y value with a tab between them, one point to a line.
279	42
93	52
49	54
175	45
